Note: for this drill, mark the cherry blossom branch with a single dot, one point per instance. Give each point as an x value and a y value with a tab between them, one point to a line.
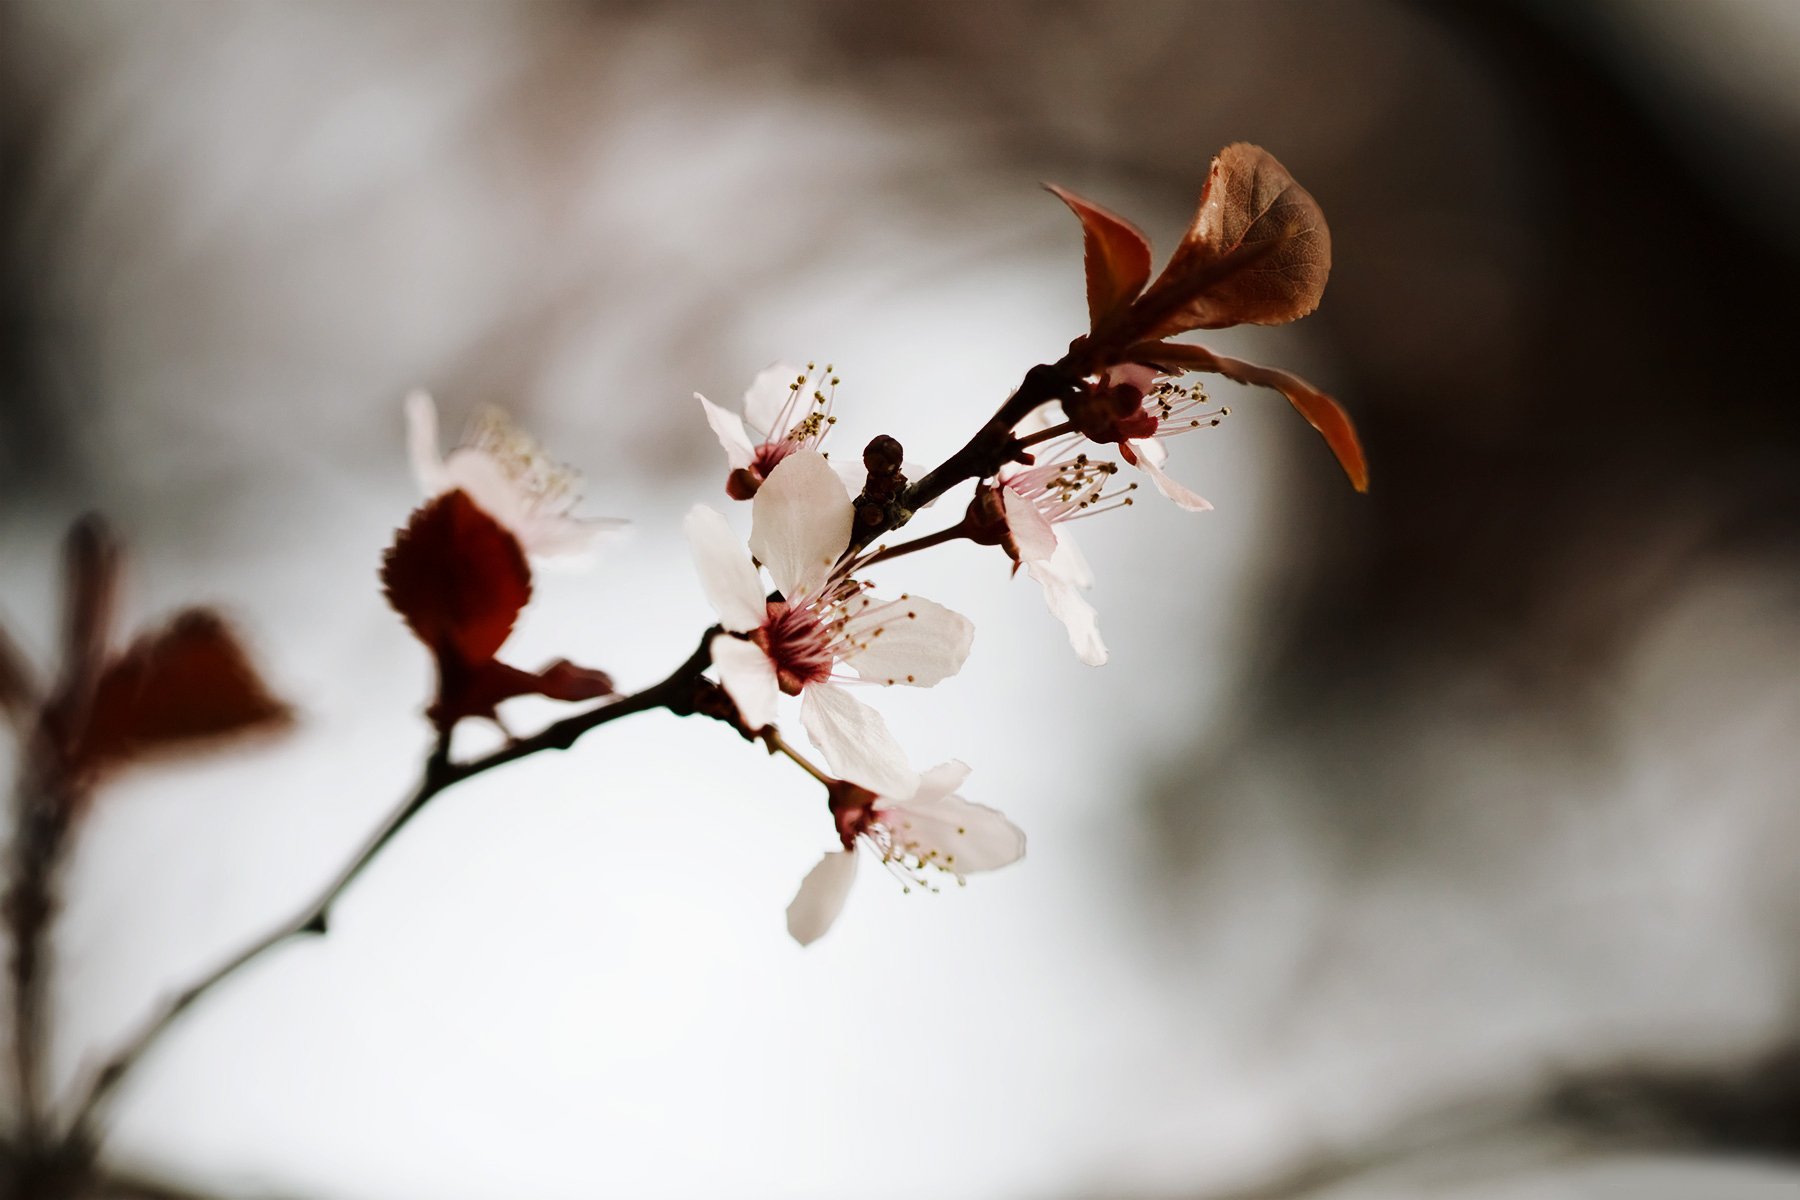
1045	435
887	553
684	692
992	446
994	443
38	851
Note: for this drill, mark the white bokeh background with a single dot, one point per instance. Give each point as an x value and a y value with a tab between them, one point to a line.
571	978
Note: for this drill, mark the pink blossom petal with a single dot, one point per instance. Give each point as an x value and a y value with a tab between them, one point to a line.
748	677
729	429
1192	501
821	896
727	576
1032	533
767	400
1151	450
489	485
1064	600
800	523
911	641
536	515
563	540
855	741
850	469
955	834
939	781
1069	562
422	444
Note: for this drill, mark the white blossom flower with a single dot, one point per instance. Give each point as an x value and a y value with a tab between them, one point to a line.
800	525
786	409
930	826
1037	503
507	474
1166	409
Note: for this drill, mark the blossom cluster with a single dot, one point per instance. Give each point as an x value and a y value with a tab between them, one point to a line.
798	617
802	633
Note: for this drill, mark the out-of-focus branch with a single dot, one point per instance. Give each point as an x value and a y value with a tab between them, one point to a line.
681	692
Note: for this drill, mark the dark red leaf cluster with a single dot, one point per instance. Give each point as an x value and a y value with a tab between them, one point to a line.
186	687
1258	252
459	579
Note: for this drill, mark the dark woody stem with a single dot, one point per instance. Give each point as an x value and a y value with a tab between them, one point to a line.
884	553
680	693
684	692
39	848
992	445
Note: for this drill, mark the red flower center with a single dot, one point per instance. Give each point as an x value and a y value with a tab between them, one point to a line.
797	643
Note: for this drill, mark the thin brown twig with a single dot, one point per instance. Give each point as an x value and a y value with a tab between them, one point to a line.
771	737
887	553
674	692
991	446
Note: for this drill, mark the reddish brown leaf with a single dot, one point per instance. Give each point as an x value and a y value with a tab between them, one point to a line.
177	689
1320	410
477	689
1257	253
457	577
1115	254
563	680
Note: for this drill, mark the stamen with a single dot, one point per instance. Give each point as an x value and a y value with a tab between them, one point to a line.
552	487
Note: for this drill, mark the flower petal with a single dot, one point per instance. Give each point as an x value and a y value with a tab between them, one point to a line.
730	431
727	575
821	896
1032	533
800	523
769	403
910	641
422	444
748	677
1069	562
570	541
489	485
1192	501
938	782
855	741
1062	596
955	834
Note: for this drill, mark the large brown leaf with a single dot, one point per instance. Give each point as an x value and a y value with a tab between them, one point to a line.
457	577
179	688
1115	255
1321	411
1257	253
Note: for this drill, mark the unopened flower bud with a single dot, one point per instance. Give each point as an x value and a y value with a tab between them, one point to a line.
884	456
986	517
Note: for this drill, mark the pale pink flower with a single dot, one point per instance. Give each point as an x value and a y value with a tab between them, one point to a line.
930	827
1166	410
507	474
786	409
1037	503
800	525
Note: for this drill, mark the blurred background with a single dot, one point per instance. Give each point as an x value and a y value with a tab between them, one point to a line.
1433	843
